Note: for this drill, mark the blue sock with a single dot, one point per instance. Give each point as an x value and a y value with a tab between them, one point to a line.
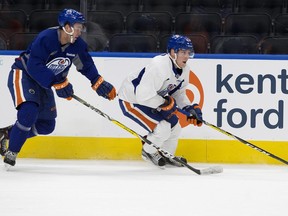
26	117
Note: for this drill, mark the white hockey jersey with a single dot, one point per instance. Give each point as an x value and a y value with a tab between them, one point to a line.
152	83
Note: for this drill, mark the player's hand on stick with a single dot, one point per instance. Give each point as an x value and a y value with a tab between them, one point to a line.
168	110
103	88
64	89
196	114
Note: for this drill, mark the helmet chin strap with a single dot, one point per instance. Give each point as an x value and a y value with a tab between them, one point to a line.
69	33
174	60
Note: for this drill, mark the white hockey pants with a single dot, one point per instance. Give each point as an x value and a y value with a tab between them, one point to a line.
164	136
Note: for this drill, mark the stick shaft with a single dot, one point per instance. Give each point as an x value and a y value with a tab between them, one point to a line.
245	142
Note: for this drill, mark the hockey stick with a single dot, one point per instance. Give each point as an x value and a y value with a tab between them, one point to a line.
206	171
245	142
236	137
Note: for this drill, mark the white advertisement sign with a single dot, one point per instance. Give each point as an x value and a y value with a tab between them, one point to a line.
246	97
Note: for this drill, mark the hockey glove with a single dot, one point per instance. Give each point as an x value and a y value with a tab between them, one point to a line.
196	114
103	88
168	110
64	89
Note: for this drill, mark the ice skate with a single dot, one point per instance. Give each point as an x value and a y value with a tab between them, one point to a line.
10	159
155	158
174	162
4	139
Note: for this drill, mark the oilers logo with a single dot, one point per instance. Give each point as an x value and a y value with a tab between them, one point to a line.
170	87
58	65
165	91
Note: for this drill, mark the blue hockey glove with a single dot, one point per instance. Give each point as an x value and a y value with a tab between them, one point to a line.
64	89
168	110
196	114
103	88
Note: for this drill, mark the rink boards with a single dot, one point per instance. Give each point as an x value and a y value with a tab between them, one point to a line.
206	151
243	94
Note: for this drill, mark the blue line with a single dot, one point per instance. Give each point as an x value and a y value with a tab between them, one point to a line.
10	52
123	54
151	55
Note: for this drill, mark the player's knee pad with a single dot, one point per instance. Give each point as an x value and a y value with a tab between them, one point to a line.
45	126
27	114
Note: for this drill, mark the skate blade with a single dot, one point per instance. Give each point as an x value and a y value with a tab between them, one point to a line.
212	170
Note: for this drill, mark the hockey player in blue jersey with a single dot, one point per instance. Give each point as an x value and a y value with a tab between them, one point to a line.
151	97
43	66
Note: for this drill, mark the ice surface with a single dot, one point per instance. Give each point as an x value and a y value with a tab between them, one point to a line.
126	188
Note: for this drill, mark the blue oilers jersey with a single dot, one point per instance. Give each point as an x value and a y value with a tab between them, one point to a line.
48	62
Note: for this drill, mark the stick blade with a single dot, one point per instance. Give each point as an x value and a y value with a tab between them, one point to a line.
211	170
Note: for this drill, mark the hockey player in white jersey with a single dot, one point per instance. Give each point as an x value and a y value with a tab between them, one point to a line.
152	96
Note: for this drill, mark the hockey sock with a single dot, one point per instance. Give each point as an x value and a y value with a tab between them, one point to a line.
26	117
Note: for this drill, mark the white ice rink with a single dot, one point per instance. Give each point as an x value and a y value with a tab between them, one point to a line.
136	188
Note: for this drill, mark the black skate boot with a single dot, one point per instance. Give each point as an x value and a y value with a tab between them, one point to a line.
4	139
10	159
174	162
155	158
